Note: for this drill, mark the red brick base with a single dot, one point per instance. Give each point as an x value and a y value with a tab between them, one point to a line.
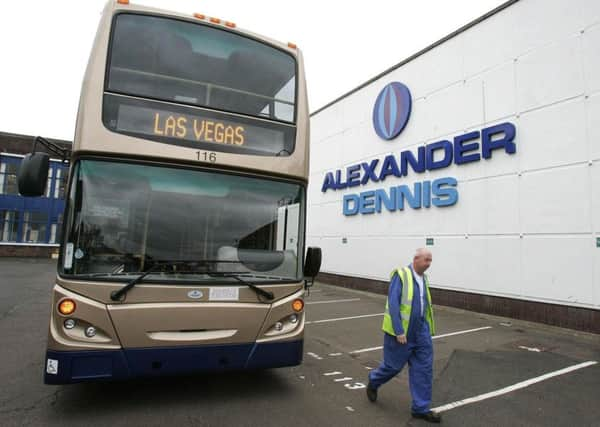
27	251
581	319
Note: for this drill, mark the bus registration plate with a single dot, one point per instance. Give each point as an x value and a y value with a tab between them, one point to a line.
224	294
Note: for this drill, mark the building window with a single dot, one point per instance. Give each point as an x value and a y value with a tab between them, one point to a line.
2	172
35	227
49	182
55	229
9	225
59	185
8	178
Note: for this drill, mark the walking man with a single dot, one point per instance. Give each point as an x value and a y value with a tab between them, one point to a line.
408	325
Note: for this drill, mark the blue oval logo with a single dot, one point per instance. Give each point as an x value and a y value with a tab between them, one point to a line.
391	111
195	294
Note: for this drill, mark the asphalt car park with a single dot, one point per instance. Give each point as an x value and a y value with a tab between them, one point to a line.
487	371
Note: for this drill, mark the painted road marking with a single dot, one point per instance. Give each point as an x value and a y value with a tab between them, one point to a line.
347	380
316	356
364	350
342	318
537	350
462	332
355	386
514	387
331	301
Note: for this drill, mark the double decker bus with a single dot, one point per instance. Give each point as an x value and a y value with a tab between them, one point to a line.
183	238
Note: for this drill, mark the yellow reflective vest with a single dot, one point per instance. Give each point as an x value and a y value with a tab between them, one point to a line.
406	277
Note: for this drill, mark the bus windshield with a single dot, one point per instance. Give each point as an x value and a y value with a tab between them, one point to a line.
196	64
124	218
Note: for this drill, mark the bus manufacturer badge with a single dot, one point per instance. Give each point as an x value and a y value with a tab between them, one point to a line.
391	110
195	294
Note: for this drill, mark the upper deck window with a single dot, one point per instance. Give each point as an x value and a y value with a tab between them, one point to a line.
188	63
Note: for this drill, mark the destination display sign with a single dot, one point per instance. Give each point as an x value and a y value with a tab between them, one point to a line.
209	130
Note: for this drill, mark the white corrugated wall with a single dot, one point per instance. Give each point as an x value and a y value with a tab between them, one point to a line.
525	225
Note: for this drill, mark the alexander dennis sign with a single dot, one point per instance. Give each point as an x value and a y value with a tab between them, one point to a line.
390	116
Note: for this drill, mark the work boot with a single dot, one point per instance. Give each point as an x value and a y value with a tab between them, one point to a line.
371	392
431	417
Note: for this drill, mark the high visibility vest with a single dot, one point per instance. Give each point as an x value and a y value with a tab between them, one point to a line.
406	276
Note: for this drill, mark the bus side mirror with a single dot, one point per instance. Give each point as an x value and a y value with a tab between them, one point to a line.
312	264
33	174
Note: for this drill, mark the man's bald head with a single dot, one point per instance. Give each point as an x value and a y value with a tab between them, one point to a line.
422	260
422	252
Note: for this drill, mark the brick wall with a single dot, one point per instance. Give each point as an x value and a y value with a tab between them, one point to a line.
578	318
27	251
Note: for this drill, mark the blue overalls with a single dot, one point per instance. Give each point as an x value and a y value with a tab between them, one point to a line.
418	350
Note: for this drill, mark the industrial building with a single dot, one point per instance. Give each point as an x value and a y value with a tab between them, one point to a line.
29	226
485	148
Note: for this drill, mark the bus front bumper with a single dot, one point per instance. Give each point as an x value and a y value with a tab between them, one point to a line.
65	367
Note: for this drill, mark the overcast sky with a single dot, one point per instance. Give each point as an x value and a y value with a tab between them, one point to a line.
45	46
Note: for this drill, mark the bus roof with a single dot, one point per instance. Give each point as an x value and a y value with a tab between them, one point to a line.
93	136
125	5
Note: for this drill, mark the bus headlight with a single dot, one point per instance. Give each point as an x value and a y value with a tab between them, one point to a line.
90	332
69	323
285	325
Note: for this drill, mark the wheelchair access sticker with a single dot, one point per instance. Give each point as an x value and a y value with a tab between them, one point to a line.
52	366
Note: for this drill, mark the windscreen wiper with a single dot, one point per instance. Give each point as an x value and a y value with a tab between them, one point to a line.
116	295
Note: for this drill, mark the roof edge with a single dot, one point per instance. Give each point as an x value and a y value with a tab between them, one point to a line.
419	53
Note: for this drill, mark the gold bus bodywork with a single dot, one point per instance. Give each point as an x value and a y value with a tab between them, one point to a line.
158	329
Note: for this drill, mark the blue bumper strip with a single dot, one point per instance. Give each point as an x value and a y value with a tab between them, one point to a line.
79	366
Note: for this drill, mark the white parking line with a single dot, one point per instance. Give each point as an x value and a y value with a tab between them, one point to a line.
332	301
536	350
364	350
342	318
462	332
508	389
